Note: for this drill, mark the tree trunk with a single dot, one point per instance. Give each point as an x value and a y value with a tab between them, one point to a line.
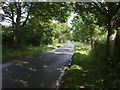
15	41
17	27
111	37
59	40
111	43
16	37
91	42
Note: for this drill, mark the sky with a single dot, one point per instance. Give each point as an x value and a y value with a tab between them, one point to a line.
70	19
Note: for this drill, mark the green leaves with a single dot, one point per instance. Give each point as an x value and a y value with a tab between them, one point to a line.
54	10
60	31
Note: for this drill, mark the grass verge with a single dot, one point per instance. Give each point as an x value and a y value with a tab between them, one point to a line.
87	71
11	54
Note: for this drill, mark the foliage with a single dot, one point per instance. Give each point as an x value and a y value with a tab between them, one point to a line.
38	34
85	29
47	11
7	36
110	13
32	26
60	31
99	49
27	16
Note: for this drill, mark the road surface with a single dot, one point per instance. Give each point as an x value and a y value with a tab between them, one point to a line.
37	71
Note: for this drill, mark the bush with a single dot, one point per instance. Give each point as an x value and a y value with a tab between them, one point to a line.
99	50
7	37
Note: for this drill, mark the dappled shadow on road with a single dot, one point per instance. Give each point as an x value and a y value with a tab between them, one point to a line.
19	75
39	70
24	72
85	72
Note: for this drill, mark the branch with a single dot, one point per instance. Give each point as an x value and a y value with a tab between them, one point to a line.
5	2
27	16
8	20
99	9
5	15
6	11
12	17
25	20
103	6
18	12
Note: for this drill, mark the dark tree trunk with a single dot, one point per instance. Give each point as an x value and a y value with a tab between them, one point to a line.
91	39
59	40
17	27
16	37
15	41
92	43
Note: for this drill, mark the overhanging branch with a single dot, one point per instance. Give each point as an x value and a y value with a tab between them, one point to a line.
99	8
27	16
25	20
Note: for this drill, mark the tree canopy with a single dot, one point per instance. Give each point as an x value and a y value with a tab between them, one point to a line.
20	14
35	20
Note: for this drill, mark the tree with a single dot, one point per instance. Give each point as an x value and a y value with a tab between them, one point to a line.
14	12
41	11
85	28
112	12
60	30
109	16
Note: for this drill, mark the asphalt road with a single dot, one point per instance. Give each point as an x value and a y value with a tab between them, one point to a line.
37	71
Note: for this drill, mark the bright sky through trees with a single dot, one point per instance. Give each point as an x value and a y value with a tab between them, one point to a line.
70	19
